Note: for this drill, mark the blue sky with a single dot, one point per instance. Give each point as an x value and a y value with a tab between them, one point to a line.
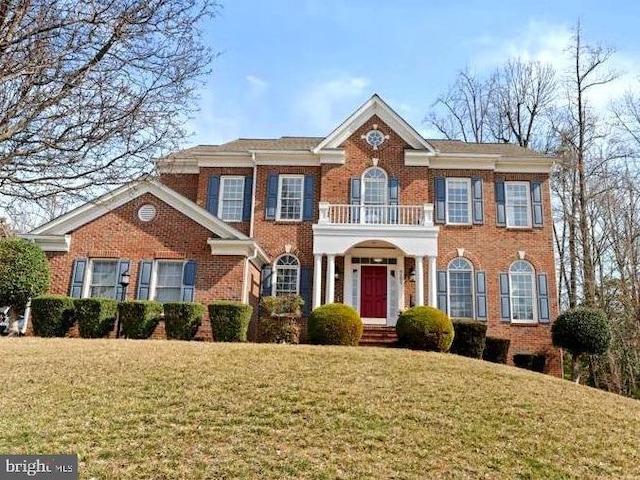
301	67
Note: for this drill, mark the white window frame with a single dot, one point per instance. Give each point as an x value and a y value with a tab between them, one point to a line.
274	276
154	276
534	295
88	277
385	188
527	186
279	203
469	205
223	180
473	288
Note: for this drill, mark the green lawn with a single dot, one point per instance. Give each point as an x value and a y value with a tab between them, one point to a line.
170	410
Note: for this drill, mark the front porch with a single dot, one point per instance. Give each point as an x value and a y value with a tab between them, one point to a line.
380	261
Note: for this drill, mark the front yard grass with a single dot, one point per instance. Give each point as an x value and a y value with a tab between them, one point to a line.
173	410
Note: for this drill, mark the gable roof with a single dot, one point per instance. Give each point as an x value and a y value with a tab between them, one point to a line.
90	211
374	106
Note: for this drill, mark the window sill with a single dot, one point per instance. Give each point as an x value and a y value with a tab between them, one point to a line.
520	229
284	220
462	226
525	323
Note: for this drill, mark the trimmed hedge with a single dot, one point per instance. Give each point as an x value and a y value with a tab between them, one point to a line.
229	321
335	324
530	361
182	319
95	316
469	339
496	350
284	304
139	318
425	328
52	315
279	329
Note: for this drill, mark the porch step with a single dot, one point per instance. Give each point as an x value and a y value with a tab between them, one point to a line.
378	336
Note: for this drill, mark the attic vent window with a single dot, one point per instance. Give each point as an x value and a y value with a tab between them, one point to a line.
375	138
147	213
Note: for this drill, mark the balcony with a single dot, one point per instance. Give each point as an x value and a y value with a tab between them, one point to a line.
376	215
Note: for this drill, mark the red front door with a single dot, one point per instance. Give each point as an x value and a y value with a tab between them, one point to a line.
373	288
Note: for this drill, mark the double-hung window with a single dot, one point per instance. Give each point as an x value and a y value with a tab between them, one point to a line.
231	201
290	197
287	275
521	277
458	201
517	204
104	278
460	289
168	281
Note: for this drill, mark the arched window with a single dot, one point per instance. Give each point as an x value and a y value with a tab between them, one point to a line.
375	186
287	275
460	288
521	279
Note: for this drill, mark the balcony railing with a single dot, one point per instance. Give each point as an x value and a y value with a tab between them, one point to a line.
408	215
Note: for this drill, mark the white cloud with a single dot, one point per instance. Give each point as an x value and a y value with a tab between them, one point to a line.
257	86
323	105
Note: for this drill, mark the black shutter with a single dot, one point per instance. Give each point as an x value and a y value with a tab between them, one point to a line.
441	199
442	290
501	213
248	197
543	299
505	300
188	281
481	295
355	200
266	280
478	213
272	197
212	194
309	201
394	193
306	286
77	277
536	203
144	279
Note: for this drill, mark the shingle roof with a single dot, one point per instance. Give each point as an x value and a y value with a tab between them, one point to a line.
307	143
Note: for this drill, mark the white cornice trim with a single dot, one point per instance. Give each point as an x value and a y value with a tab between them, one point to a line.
374	106
525	165
90	211
50	243
244	248
332	156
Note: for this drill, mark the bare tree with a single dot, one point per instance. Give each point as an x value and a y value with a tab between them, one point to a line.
91	91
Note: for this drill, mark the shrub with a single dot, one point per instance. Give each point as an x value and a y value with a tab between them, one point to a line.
581	331
425	328
496	350
285	304
139	318
182	319
229	321
279	329
533	362
469	338
24	272
335	324
51	315
95	316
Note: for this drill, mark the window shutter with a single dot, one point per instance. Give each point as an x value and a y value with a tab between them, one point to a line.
77	277
248	196
144	279
442	290
543	299
536	203
123	266
266	280
505	301
355	199
481	295
305	289
441	199
501	213
272	197
309	197
188	281
394	193
212	194
478	213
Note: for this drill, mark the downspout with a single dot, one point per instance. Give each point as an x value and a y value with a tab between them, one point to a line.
253	193
246	286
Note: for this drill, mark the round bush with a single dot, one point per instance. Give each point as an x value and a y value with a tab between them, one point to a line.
334	324
425	328
582	330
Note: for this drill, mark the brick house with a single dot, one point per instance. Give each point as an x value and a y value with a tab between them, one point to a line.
373	215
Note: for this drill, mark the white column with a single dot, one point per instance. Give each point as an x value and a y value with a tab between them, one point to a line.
317	280
331	279
419	281
433	282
